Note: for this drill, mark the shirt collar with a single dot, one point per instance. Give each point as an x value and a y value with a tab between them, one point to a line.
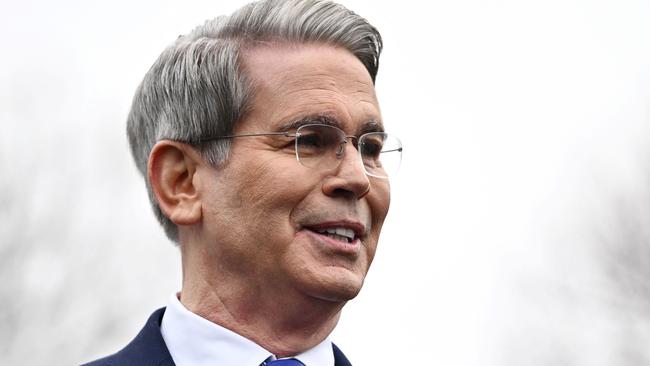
196	341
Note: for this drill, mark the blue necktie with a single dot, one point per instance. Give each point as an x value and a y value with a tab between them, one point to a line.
285	362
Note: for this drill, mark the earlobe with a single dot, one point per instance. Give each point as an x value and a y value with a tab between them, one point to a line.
172	171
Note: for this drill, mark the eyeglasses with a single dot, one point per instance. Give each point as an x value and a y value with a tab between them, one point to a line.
323	147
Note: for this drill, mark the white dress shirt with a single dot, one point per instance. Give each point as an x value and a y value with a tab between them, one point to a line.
195	341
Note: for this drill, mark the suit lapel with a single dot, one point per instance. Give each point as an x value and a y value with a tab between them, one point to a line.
339	357
148	347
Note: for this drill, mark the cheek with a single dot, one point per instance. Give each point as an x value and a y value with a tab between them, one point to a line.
379	201
269	192
267	181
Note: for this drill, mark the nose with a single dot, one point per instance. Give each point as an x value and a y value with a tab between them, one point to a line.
349	179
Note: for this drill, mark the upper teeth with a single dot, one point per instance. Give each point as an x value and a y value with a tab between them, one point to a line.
348	233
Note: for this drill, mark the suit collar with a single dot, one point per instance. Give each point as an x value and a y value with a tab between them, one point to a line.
149	349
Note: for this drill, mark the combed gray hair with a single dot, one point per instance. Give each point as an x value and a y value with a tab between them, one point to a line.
197	87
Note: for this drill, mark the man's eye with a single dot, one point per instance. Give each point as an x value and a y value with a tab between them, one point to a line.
310	141
371	149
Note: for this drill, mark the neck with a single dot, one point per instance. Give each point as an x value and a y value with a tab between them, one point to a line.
284	325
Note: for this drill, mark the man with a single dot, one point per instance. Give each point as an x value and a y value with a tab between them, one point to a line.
261	142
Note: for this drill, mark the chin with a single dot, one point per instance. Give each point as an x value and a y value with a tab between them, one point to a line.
340	286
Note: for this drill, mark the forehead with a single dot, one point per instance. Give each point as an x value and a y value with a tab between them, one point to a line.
292	82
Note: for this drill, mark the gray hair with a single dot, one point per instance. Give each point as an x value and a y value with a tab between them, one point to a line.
197	87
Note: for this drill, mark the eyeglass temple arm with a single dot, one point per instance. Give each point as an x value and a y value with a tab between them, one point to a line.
287	134
387	151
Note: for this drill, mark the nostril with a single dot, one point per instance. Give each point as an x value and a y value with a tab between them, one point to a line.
346	193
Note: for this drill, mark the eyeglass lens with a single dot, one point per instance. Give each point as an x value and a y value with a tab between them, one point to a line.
323	146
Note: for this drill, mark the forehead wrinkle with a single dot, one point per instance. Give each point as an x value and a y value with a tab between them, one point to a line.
312	93
320	79
363	88
307	88
287	95
364	96
322	96
319	100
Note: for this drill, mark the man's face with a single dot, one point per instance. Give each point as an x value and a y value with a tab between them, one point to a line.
265	213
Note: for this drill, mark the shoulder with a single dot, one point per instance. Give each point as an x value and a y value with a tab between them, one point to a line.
146	349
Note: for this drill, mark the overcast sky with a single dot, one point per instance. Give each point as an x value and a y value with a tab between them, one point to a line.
525	182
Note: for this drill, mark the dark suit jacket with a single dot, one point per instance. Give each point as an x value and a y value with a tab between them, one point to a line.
149	349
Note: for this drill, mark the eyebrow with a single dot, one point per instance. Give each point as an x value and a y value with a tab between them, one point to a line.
371	126
324	119
311	119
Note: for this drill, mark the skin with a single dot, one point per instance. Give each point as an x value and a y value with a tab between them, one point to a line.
251	262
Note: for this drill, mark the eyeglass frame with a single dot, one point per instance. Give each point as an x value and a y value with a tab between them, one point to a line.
297	134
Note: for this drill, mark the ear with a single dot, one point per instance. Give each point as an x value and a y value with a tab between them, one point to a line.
172	171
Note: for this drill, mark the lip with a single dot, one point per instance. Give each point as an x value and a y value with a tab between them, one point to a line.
351	249
336	246
358	228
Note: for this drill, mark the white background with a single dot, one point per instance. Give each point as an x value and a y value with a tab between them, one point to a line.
519	231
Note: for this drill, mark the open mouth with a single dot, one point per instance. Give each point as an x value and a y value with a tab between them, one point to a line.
342	234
